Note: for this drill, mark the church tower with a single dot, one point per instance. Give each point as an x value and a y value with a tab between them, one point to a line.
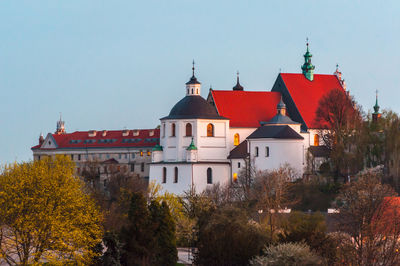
376	114
60	127
308	67
193	86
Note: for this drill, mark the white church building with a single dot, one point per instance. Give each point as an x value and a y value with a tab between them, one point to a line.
205	142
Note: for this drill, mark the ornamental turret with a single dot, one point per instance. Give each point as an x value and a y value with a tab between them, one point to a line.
281	107
376	115
237	87
60	126
191	152
308	67
157	154
193	86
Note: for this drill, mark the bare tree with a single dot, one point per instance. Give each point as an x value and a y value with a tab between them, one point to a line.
371	216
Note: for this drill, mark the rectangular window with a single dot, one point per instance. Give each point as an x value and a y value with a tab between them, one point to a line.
72	157
148	153
120	156
79	157
267	151
142	167
141	153
133	155
126	156
132	167
256	152
238	164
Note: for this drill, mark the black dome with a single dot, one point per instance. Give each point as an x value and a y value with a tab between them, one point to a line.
193	106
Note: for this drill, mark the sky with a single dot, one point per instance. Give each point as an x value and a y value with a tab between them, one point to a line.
124	64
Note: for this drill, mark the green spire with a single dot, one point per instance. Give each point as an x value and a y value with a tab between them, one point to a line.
308	68
191	146
376	106
157	148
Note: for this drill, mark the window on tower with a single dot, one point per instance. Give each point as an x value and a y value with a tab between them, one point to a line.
173	129
188	130
210	130
176	175
316	140
209	175
256	152
164	175
236	139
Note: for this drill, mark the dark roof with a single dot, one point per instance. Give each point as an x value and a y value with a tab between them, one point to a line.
319	151
193	106
239	152
280	119
276	132
193	80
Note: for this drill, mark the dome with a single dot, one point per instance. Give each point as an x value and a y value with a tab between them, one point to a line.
193	106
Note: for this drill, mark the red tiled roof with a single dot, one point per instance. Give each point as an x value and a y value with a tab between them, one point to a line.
306	94
113	138
246	108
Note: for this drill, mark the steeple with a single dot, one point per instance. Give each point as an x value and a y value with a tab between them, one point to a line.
376	114
281	107
308	67
193	86
60	126
237	87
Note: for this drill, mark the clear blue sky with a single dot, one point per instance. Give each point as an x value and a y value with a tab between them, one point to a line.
116	64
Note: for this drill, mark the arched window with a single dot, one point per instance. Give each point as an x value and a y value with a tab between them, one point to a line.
210	130
173	128
197	91
164	175
176	175
209	175
235	177
192	91
267	151
163	129
316	140
236	139
256	152
188	130
187	91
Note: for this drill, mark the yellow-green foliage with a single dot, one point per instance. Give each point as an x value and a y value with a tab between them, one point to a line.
45	216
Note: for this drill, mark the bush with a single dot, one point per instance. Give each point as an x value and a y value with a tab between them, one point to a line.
287	254
228	238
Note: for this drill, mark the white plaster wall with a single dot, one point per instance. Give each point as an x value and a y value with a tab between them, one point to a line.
187	173
184	177
243	132
280	153
235	167
220	174
212	148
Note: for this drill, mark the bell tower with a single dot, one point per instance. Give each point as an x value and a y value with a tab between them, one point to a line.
308	67
60	126
193	86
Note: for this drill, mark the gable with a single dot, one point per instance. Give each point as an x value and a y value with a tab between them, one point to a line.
302	96
49	142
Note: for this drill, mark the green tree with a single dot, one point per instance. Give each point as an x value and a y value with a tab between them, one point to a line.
228	237
45	215
137	236
112	255
163	228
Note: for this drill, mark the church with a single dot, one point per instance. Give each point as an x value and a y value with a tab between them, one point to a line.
209	141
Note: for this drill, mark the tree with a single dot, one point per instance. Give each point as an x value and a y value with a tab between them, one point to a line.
271	190
137	235
368	215
45	215
112	255
310	229
163	227
341	124
287	254
227	237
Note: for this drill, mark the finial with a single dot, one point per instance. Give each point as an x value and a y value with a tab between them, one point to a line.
237	76
237	87
337	66
307	43
193	67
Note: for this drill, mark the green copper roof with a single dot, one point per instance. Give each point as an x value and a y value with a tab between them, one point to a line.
191	146
376	106
157	148
308	67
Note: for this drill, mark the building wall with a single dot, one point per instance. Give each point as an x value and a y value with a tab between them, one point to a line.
139	157
243	132
281	152
188	173
209	148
